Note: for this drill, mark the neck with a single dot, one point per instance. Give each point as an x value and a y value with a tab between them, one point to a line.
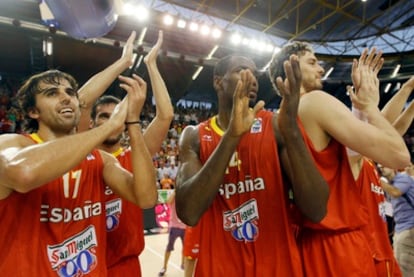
110	148
223	120
47	134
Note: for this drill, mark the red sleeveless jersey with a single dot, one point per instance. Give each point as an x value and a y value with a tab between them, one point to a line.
247	230
125	229
57	229
376	229
337	246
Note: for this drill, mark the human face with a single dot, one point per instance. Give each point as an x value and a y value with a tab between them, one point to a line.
232	76
312	72
103	113
57	107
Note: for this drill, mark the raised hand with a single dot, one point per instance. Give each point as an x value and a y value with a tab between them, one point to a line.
365	79
151	57
128	50
119	116
409	83
136	89
242	116
290	92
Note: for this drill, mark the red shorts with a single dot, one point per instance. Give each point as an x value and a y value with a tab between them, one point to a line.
191	242
388	268
336	254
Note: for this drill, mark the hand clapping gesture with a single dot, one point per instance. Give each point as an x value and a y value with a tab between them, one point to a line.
365	79
290	92
242	116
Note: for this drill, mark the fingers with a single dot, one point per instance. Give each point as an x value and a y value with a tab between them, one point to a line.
370	57
363	57
131	38
136	83
153	53
160	39
293	77
245	84
121	105
259	106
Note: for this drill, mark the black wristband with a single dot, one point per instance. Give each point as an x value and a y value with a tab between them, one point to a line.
132	122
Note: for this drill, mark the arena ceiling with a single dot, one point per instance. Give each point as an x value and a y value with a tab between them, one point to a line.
338	29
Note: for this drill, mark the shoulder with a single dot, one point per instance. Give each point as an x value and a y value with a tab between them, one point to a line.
15	140
189	139
189	133
319	99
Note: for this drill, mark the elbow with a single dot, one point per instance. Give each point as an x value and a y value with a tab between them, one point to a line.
168	115
185	216
401	160
147	202
318	215
397	159
19	178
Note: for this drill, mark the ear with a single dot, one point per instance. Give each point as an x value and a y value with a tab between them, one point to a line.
218	83
91	124
33	113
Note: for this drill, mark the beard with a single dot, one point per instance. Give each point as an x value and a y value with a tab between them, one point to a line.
112	140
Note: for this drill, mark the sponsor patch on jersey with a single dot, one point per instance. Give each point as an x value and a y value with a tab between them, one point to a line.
206	138
90	157
75	256
256	126
113	210
242	221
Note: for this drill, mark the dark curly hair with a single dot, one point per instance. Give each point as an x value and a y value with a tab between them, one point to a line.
26	95
276	64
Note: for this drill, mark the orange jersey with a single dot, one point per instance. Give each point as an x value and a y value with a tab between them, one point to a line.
125	229
337	246
376	229
247	229
57	229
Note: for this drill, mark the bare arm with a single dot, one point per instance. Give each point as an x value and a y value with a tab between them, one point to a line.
310	189
24	167
141	188
396	104
403	122
376	139
157	130
97	85
391	190
198	184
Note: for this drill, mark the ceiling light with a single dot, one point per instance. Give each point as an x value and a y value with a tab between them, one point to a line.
245	41
48	46
236	39
387	87
216	33
181	23
193	26
142	36
205	30
141	13
168	20
210	55
328	73
396	69
197	72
